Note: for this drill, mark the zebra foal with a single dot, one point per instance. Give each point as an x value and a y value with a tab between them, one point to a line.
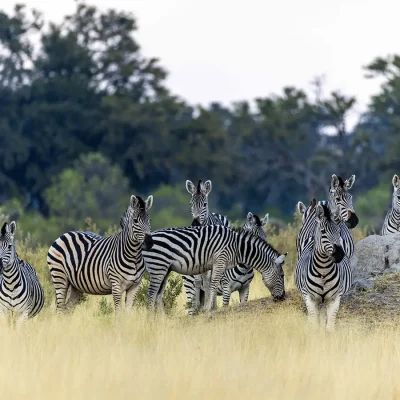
89	263
323	273
20	290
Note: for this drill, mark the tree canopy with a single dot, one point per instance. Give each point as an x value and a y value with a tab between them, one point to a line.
88	95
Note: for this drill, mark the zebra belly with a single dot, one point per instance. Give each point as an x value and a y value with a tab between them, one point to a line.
191	269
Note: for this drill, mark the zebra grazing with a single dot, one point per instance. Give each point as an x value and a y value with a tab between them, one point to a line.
240	277
392	219
323	271
89	263
195	250
196	287
20	289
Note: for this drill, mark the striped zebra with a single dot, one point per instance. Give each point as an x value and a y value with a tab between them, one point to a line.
392	220
196	287
89	263
240	277
323	272
340	205
195	250
20	290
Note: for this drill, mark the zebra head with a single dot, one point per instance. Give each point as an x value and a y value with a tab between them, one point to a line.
305	211
7	246
139	220
341	201
258	254
199	200
255	225
396	193
327	235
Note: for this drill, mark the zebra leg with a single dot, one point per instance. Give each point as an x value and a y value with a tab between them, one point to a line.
159	300
197	298
61	286
331	310
244	293
226	292
117	296
22	318
216	276
154	287
131	295
74	298
312	310
189	285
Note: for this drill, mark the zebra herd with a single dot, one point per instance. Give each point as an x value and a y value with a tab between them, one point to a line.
213	258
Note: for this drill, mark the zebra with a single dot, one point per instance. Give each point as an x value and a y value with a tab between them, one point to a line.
323	273
20	289
240	277
195	250
340	205
89	263
392	220
196	287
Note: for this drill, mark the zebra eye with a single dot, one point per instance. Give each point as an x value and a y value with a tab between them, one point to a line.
135	220
9	246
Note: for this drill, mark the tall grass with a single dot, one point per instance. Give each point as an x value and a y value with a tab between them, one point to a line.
258	355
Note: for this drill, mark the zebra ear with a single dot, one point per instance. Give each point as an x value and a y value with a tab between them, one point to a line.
281	259
12	228
149	203
319	211
350	182
301	208
207	188
265	220
190	187
334	182
250	218
396	181
134	201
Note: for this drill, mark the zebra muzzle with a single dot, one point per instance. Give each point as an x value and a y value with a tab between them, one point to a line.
148	242
337	254
352	222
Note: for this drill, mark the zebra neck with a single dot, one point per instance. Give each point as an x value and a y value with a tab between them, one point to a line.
395	216
131	247
206	217
12	274
321	263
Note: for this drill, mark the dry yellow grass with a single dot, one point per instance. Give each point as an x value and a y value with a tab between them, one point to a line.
258	355
263	353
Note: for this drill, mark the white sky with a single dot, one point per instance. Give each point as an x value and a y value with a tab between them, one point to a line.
229	50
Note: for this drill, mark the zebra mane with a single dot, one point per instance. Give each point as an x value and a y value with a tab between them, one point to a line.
3	229
257	219
141	203
199	185
248	235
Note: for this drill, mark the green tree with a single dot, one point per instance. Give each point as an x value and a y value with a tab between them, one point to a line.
93	188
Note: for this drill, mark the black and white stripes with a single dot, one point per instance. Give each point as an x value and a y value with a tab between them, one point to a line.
20	289
391	223
195	250
89	263
323	271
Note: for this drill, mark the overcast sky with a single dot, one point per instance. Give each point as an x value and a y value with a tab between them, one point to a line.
229	50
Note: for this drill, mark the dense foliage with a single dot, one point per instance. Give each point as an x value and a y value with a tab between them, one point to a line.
86	119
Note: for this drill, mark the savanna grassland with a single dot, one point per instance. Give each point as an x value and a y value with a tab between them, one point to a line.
262	350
